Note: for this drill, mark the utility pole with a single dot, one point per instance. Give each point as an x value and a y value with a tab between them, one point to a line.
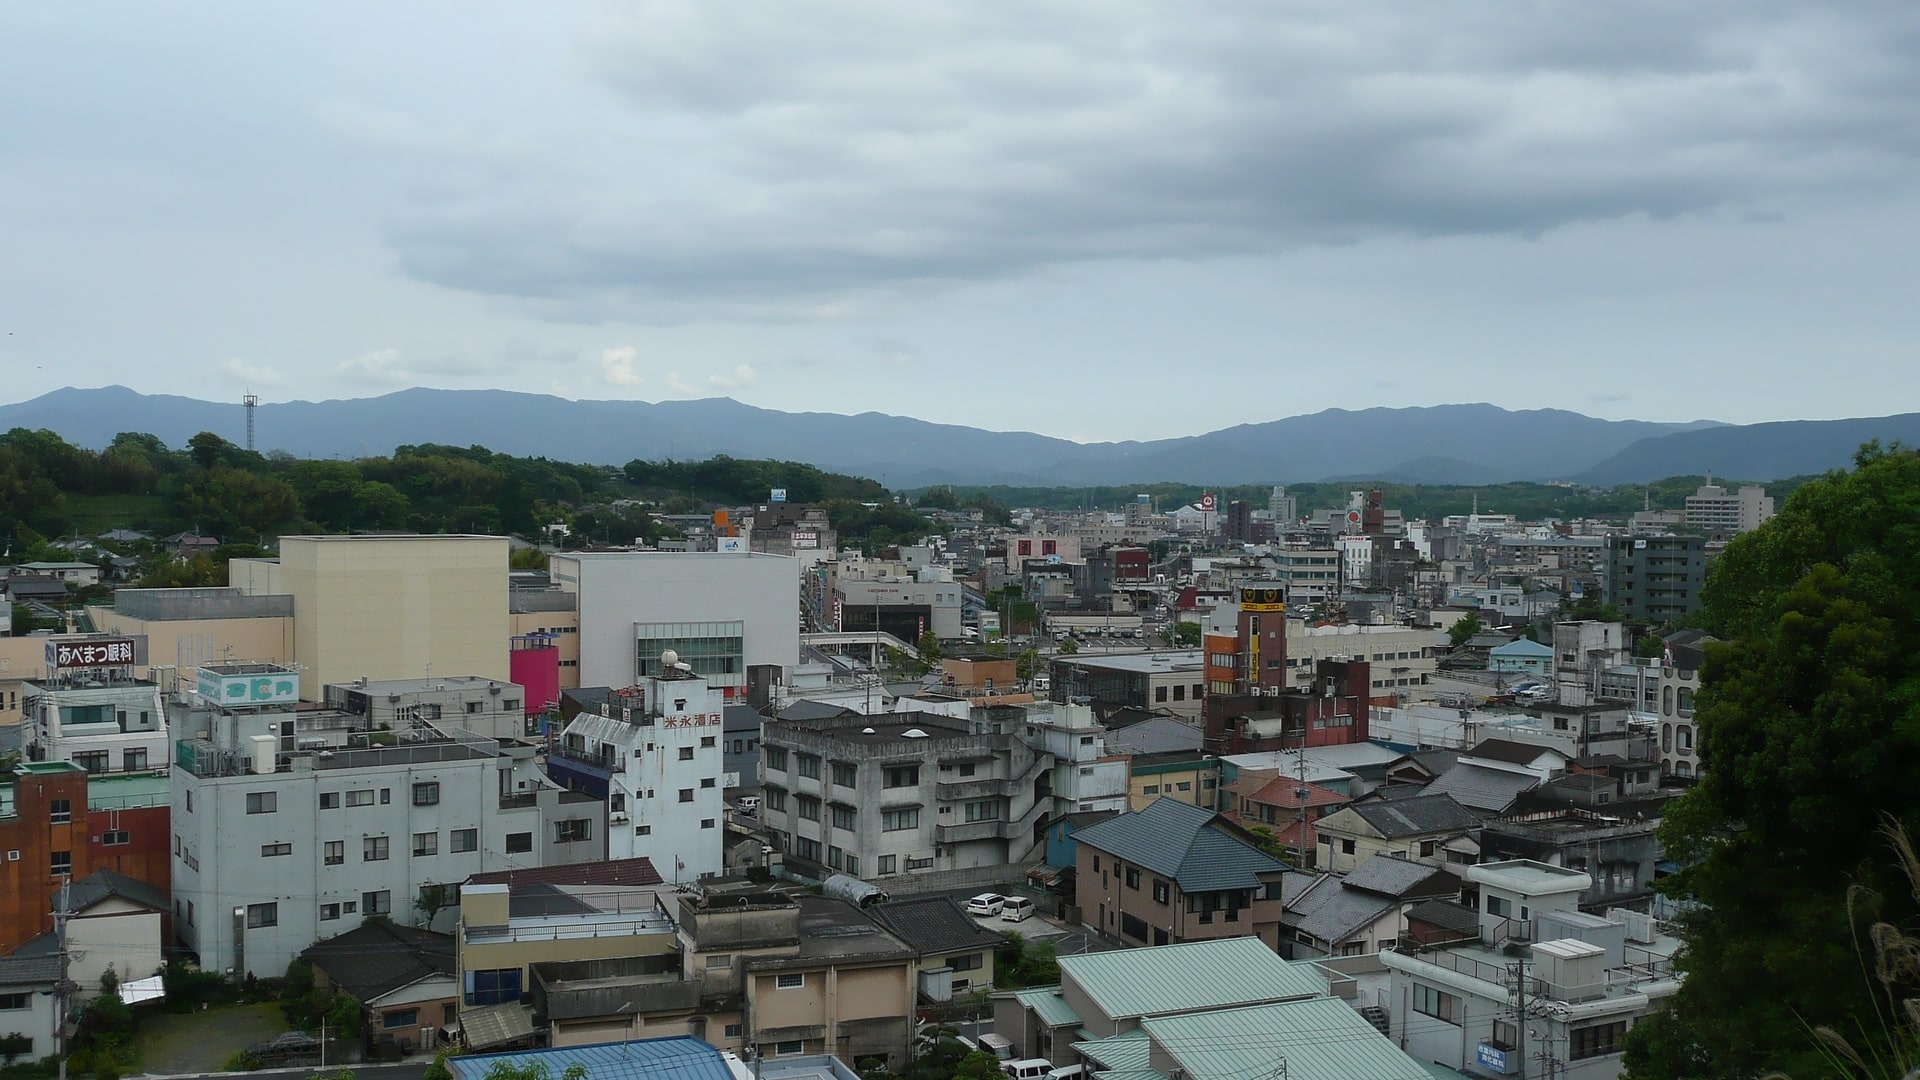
1520	988
1549	1061
62	990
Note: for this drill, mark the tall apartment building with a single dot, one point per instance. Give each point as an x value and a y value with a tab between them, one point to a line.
1085	776
879	796
1723	513
655	753
275	850
388	607
1655	578
732	616
1310	575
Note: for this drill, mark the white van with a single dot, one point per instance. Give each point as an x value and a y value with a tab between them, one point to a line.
997	1045
1028	1069
1016	909
1068	1072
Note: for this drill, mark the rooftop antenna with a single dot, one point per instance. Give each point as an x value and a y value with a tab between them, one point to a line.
250	403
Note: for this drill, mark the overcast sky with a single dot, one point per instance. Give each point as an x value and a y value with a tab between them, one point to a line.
1096	219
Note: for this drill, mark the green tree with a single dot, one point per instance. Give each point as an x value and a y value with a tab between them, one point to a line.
1464	628
208	449
1183	635
978	1065
1027	664
1650	647
433	899
927	651
534	1070
1817	677
527	558
1069	647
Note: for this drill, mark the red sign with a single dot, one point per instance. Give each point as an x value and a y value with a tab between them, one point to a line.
111	652
1206	503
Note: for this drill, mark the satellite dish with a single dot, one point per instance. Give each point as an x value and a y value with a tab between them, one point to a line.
669	659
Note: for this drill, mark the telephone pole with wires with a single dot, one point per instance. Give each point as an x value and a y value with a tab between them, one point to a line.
62	990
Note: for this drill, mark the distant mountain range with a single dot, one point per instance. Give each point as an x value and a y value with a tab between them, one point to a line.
1441	444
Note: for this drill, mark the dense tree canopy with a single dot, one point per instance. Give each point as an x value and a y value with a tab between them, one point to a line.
1809	717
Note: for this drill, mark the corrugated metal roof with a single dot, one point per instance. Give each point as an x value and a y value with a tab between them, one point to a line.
1320	1039
1049	1006
1120	1053
1195	975
1480	788
1131	1074
679	1057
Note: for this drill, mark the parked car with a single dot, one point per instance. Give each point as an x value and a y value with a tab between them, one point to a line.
986	904
1016	908
749	806
1028	1069
288	1047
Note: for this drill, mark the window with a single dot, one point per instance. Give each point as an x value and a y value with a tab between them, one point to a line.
984	810
1133	877
259	915
116	837
844	774
899	820
790	980
262	802
401	1018
706	781
335	852
807	807
426	794
572	831
62	863
1186	785
776	799
189	802
1428	1001
425	844
1179	693
1499	906
835	857
853	865
60	811
1150	789
705	823
706	742
329	800
966	770
808	765
686	753
1161	892
1595	1040
386	796
901	776
1160	694
463	840
843	817
360	798
1346	847
329	912
376	903
373	849
643	830
785	1049
775	758
1506	1035
883	865
134	760
686	794
491	987
969	962
519	843
269	851
94	761
733	1031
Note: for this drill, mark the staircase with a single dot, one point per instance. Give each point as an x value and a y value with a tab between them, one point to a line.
1375	1015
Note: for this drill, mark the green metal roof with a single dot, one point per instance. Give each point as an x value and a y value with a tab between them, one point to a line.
1320	1039
1049	1006
1197	975
1131	1074
1122	1053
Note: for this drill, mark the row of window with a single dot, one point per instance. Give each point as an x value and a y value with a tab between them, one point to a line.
1179	692
100	761
842	774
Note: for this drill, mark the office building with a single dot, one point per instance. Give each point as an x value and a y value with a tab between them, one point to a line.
733	617
1655	579
1169	681
1721	513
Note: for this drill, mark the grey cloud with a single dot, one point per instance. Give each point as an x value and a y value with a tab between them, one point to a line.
769	158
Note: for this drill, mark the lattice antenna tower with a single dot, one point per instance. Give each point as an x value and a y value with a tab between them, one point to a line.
250	403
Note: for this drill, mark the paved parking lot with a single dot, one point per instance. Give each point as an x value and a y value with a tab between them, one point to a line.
1042	925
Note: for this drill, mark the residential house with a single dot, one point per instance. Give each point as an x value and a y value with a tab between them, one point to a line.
956	953
1172	872
403	977
1104	995
1523	656
27	1003
1415	828
115	924
1286	806
1589	979
1187	776
1320	1038
58	822
1362	911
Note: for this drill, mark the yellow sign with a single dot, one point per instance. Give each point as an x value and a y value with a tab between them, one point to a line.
1263	599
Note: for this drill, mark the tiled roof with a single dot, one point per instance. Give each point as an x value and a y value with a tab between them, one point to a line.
1398	878
1510	751
1416	816
812	710
1331	912
101	884
1156	735
1447	915
1186	843
934	925
1478	787
29	970
378	957
1320	1038
1196	975
612	872
1284	791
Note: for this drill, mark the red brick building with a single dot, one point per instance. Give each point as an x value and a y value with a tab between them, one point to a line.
1264	711
56	821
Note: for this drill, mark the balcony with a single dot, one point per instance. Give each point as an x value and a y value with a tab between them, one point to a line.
993	829
519	801
975	789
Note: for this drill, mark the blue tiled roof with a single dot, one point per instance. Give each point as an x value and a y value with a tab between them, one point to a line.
679	1057
1184	843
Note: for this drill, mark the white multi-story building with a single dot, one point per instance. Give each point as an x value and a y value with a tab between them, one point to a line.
1720	512
91	710
1085	775
655	754
273	851
724	613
